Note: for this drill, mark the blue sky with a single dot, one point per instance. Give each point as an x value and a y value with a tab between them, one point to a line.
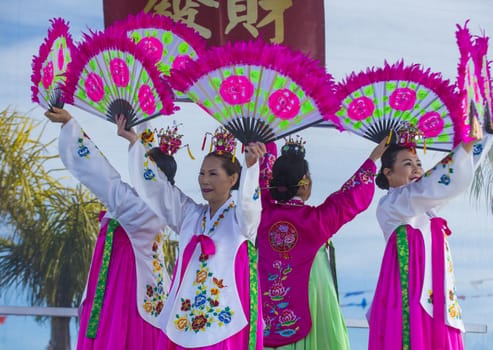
359	33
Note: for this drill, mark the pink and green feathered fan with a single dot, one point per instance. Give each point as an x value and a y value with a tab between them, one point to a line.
258	91
111	75
474	78
380	100
49	66
168	43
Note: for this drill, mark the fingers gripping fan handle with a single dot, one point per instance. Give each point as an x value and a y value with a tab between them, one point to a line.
50	65
258	91
379	101
111	75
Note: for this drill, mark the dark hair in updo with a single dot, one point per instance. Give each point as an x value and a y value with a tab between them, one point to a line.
388	160
165	162
231	167
287	171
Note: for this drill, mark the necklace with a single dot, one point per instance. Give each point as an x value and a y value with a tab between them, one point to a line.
218	220
292	202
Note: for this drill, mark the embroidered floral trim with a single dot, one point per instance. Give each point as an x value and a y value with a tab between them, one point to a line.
364	176
477	149
453	308
279	317
256	194
219	218
147	138
155	295
148	173
444	163
83	150
205	309
430	297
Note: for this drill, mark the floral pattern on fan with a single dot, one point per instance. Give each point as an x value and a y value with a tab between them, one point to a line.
111	75
49	66
169	44
377	101
258	91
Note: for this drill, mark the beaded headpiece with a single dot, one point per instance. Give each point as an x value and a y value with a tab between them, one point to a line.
406	135
294	146
169	139
222	141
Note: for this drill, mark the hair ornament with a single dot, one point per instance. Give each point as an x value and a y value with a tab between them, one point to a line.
294	146
303	182
170	140
222	141
407	135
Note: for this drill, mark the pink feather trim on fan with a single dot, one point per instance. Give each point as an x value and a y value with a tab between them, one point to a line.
307	73
402	100
59	28
483	65
474	78
147	20
97	42
465	45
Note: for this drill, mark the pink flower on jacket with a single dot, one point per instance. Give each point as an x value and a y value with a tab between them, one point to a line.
278	291
287	317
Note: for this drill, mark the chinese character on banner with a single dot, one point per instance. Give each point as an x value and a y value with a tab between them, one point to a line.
299	24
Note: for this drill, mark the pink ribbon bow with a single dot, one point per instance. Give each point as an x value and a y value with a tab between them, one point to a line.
207	245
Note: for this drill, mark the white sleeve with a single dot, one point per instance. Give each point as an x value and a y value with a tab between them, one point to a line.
249	205
154	188
86	163
446	180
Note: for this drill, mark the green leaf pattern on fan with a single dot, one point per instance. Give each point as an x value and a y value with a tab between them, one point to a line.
53	68
234	94
97	87
166	48
383	105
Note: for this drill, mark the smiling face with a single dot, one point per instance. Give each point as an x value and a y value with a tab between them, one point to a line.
406	169
215	183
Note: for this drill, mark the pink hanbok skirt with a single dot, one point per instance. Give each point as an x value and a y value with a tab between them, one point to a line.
385	316
120	325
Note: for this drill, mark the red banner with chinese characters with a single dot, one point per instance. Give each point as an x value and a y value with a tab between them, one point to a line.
299	24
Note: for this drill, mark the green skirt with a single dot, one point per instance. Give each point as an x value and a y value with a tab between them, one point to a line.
328	327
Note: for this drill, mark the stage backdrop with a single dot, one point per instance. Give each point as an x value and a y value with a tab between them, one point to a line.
298	24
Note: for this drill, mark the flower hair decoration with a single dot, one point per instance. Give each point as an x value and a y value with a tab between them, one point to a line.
294	146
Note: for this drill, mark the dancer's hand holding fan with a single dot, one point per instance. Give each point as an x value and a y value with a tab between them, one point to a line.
169	44
258	91
379	102
111	75
49	66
